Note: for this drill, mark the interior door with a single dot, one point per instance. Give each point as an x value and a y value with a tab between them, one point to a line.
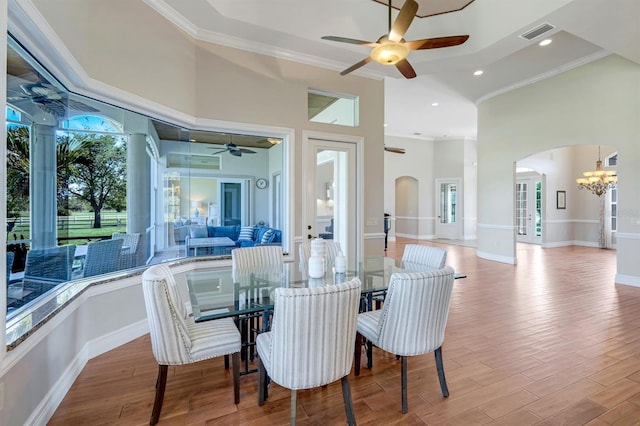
234	201
448	196
528	210
330	198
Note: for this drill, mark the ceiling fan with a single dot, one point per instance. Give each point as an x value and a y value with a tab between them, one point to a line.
392	48
394	149
49	99
233	149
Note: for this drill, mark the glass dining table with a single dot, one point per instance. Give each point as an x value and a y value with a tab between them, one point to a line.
223	292
247	295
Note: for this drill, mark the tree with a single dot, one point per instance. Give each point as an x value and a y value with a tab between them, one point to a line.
17	170
98	174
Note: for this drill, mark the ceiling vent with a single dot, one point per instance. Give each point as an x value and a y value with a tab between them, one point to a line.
537	31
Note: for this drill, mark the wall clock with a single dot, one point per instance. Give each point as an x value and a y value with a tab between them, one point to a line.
261	183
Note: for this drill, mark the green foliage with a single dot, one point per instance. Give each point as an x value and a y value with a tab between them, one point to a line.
91	173
17	170
98	172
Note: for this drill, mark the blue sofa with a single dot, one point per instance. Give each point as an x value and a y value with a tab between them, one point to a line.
242	236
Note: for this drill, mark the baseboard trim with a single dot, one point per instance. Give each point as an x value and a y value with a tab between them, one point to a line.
496	258
630	280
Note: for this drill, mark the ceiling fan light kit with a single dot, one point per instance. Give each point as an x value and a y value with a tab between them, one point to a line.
392	48
389	52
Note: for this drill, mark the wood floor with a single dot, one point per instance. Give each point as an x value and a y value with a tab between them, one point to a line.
551	341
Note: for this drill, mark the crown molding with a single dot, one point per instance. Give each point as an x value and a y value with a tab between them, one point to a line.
207	36
559	70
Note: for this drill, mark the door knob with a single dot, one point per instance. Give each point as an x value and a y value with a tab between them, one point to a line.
309	227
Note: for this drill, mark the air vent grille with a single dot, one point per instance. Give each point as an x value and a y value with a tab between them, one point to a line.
537	31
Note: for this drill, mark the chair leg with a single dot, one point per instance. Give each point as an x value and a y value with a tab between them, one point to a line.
226	362
235	361
357	356
294	406
348	405
440	367
369	354
405	407
161	383
262	383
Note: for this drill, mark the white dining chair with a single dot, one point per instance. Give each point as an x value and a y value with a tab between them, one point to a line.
176	339
311	341
411	322
250	257
333	247
434	257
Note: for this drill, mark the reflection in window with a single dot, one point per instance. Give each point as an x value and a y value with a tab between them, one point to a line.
68	164
333	108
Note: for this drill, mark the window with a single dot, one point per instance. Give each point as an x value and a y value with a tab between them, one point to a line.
69	161
332	108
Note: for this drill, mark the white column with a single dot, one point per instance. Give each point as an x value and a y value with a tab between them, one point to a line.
138	192
42	187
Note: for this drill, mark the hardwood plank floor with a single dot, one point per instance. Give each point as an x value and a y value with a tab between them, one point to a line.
551	341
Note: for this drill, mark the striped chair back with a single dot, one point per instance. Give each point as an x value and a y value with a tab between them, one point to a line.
434	257
333	247
312	334
248	257
170	340
415	312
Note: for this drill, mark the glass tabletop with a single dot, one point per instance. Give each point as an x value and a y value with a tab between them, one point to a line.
219	293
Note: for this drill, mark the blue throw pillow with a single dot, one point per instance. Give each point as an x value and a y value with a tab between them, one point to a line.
267	236
246	233
198	231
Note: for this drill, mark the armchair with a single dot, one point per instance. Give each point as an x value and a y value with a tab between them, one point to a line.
411	322
310	341
176	339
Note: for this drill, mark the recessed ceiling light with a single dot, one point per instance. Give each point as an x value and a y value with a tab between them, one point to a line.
192	140
435	104
545	42
478	72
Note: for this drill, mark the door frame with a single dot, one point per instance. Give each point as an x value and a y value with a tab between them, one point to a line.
530	178
459	205
309	190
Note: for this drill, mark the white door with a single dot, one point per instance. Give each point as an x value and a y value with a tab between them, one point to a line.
331	193
528	211
448	198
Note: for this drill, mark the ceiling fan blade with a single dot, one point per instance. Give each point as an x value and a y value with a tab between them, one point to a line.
245	151
236	153
403	20
436	43
354	67
219	152
394	149
406	69
350	40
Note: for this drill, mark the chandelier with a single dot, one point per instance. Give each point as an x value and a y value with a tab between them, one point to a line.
598	181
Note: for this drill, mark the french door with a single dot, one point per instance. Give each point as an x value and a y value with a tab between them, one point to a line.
331	192
448	196
529	211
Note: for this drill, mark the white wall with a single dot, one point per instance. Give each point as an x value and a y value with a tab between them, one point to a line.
595	104
426	161
416	162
